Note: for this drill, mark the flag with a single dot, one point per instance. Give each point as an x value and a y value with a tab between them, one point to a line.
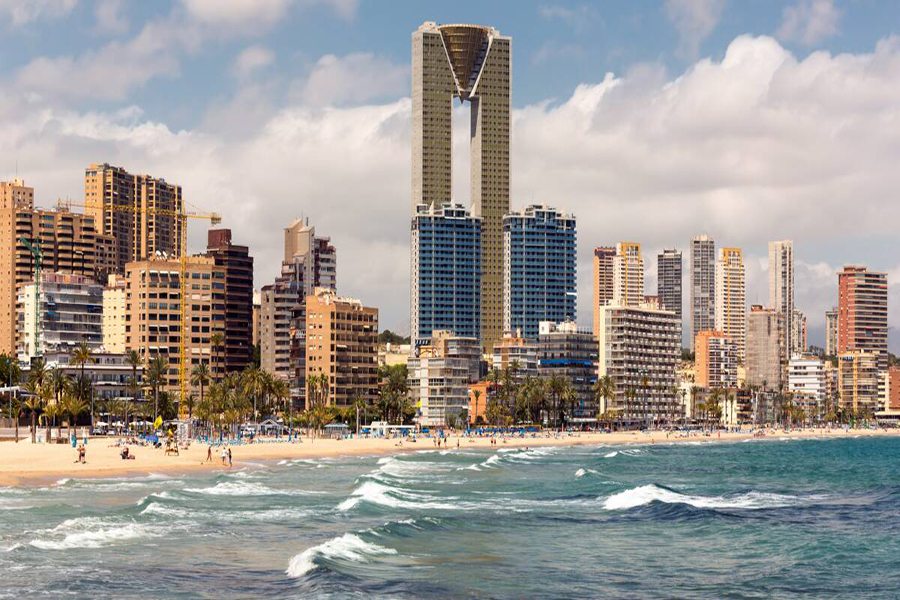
157	422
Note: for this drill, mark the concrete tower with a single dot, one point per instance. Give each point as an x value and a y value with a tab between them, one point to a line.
703	285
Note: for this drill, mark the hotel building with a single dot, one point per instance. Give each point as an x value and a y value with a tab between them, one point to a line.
731	312
439	378
716	360
603	279
114	315
863	313
764	335
703	285
569	351
237	350
628	275
781	290
668	280
858	380
831	331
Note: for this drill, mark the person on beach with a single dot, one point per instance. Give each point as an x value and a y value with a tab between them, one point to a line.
209	453
224	454
229	457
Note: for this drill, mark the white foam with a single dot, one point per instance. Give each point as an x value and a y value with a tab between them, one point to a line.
490	462
90	532
646	494
377	493
582	472
155	508
611	454
236	488
346	547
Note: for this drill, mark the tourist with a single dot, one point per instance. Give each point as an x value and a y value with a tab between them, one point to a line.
209	453
229	457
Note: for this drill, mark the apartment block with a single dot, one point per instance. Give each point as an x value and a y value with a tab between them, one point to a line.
858	381
440	373
603	279
236	262
668	280
114	315
781	290
764	335
807	381
716	360
863	313
628	275
703	285
640	350
445	281
831	331
569	351
518	353
342	345
731	311
799	333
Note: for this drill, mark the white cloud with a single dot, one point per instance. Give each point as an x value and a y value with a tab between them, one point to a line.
252	58
21	12
809	22
549	51
694	20
110	17
254	15
755	147
354	78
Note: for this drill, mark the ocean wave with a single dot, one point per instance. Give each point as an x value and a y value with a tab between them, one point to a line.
349	547
582	472
90	532
377	493
236	488
611	454
491	461
155	508
647	494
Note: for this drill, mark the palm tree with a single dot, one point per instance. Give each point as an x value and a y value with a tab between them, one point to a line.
254	383
217	340
282	393
200	376
476	394
73	405
604	390
155	375
82	356
34	403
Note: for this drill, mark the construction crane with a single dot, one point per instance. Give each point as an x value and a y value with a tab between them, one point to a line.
35	249
181	217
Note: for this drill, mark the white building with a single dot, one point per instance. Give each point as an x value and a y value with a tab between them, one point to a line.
807	382
781	289
114	314
439	377
731	305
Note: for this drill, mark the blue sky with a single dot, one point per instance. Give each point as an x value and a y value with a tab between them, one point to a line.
652	121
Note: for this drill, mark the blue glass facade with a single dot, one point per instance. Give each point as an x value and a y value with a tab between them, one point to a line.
446	272
538	269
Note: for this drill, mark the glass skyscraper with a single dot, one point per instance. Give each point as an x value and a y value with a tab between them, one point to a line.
538	269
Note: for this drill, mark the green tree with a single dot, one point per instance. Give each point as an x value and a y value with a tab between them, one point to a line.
81	356
604	392
156	374
200	376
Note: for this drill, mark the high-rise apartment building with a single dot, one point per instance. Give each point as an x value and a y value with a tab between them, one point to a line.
310	262
137	211
472	63
114	315
568	351
863	313
764	335
342	345
858	381
668	280
798	334
237	349
154	319
639	349
538	269
731	311
703	285
603	279
66	311
445	281
807	383
831	331
439	377
716	363
628	275
781	290
517	353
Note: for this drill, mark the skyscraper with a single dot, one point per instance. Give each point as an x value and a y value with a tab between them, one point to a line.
764	335
603	279
538	269
863	313
445	282
628	274
781	290
798	333
237	350
703	285
472	63
731	311
831	331
668	280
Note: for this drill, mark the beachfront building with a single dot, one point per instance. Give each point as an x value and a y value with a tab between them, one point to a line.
764	335
154	312
539	266
603	279
640	350
703	285
781	291
628	275
67	310
858	381
390	354
472	63
516	353
114	314
236	350
309	262
831	331
863	313
109	374
342	345
798	335
889	410
807	384
439	376
668	280
716	360
569	351
445	282
731	312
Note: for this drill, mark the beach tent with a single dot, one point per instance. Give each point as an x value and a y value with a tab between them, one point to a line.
336	431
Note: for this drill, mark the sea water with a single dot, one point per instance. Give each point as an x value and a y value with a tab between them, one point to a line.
756	519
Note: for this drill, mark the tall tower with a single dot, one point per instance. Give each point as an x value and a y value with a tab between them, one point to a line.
628	274
731	312
603	280
472	63
668	280
863	313
781	289
703	285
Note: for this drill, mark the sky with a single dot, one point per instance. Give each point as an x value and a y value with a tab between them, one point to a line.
651	121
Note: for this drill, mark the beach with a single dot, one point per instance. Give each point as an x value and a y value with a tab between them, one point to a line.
27	464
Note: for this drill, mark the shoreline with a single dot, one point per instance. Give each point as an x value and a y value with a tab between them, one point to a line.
47	464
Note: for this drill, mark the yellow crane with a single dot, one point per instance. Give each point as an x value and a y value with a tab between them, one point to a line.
182	217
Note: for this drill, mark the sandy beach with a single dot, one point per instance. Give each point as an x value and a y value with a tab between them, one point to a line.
26	464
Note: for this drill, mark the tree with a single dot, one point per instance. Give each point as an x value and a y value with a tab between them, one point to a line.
82	356
217	340
35	402
73	405
200	376
604	391
254	383
282	393
155	374
476	394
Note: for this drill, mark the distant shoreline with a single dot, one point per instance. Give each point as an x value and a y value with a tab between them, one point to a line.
27	465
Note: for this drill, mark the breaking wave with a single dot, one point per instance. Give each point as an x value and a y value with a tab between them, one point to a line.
348	547
647	494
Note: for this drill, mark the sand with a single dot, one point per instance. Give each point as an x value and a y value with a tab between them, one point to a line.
27	464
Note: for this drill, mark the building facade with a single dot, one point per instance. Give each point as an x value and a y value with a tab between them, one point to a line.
439	377
472	63
858	381
569	351
807	383
763	352
781	290
703	285
716	360
799	335
831	331
863	313
445	281
110	375
603	279
628	275
731	311
517	353
668	280
114	315
539	267
237	340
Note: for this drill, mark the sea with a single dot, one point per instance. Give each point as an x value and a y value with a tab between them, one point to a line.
762	518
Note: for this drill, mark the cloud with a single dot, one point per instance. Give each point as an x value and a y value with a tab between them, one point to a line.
809	22
754	147
110	17
549	51
579	17
252	58
354	78
254	15
694	20
21	12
